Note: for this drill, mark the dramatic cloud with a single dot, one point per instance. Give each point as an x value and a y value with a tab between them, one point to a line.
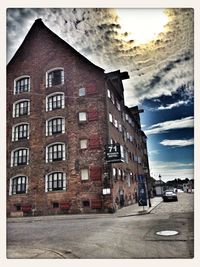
171	170
157	68
163	127
174	105
177	143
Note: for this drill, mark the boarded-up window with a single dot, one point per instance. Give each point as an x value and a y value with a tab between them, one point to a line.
96	173
93	115
91	88
96	204
94	142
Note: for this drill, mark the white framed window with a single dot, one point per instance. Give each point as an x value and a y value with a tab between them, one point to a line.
84	174
55	77
115	123
22	84
114	172
112	98
82	91
55	125
55	101
21	108
55	152
18	185
20	131
82	116
110	118
120	127
122	151
83	143
119	173
108	93
55	181
20	156
118	105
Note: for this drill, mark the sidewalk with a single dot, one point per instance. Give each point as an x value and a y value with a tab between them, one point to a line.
131	210
135	209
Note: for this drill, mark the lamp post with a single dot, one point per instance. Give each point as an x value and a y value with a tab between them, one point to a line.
160	184
148	187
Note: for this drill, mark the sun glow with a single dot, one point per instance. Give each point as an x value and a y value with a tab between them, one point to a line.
142	25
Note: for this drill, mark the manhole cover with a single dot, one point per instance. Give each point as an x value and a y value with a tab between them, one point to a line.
167	233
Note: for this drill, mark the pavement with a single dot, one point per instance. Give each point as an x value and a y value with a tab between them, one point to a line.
135	209
131	210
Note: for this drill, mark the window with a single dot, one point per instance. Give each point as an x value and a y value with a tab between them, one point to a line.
55	77
55	101
122	151
110	118
21	108
82	91
115	123
128	180
55	205
94	142
119	173
109	94
20	157
22	84
118	105
18	185
114	173
55	152
91	88
86	203
96	173
93	115
112	98
20	131
55	126
84	174
83	143
55	181
120	127
82	116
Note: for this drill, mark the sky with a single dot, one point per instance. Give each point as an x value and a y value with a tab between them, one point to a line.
156	47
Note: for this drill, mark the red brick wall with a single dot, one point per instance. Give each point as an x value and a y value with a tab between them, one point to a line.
41	52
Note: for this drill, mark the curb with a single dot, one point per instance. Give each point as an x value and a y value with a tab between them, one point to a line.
140	212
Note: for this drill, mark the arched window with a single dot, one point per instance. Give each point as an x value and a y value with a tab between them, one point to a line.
55	101
22	84
20	156
21	108
55	125
55	181
55	152
18	185
20	131
54	77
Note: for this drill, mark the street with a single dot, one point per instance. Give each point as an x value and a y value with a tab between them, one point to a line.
106	236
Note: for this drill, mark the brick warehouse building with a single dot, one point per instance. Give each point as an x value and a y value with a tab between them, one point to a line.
62	111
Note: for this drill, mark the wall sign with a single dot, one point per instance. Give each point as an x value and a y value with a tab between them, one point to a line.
113	153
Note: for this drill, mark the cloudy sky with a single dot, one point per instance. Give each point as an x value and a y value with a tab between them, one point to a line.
156	47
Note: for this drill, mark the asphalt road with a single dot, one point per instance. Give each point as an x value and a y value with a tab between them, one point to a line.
106	236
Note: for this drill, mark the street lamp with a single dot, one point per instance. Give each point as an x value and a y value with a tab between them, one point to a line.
160	184
148	187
